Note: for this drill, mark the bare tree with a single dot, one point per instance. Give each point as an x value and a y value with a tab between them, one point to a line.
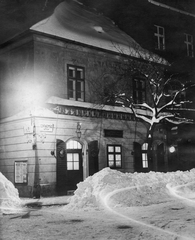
165	99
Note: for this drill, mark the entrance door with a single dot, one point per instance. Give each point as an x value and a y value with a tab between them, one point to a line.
74	173
69	165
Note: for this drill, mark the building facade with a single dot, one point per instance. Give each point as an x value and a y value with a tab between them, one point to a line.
167	28
56	129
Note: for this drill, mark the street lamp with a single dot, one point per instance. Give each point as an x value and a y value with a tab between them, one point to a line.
172	149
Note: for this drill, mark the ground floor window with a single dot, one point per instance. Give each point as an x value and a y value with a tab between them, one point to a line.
72	161
114	156
144	155
73	149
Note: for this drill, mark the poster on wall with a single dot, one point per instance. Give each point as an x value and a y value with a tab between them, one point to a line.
21	172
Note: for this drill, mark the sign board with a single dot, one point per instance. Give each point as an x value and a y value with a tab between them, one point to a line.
21	172
28	129
46	127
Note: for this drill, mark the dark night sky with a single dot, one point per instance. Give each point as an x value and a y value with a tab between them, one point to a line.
18	15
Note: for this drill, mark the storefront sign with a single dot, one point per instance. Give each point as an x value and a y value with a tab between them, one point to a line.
46	127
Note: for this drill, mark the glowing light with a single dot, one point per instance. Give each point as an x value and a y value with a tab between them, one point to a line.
172	149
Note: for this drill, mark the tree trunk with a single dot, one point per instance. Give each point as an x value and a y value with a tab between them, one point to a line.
150	149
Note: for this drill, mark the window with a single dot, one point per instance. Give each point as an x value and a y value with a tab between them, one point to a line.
71	144
76	83
159	38
189	45
144	155
139	90
72	161
21	172
73	149
114	156
113	133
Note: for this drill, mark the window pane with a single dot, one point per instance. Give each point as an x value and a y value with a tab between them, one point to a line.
110	157
144	156
111	163
76	165
118	157
145	164
161	31
69	166
110	149
80	90
71	88
71	144
71	72
72	161
79	73
118	163
76	157
69	157
145	146
118	149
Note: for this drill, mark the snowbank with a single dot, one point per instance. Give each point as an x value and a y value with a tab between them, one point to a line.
140	189
9	197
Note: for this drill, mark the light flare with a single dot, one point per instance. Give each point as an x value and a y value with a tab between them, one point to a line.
105	201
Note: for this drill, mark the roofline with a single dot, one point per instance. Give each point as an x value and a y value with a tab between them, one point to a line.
28	32
94	47
171	8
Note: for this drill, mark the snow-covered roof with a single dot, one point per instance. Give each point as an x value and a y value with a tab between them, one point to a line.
73	21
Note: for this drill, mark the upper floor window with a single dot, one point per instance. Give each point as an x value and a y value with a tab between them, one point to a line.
139	90
159	38
189	45
76	83
114	153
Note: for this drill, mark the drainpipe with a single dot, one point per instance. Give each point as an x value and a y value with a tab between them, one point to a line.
36	187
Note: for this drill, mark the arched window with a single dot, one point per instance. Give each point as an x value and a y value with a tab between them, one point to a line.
72	144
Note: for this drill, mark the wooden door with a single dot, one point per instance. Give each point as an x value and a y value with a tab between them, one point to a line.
69	165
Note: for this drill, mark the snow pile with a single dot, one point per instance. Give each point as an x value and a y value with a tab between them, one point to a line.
140	189
9	197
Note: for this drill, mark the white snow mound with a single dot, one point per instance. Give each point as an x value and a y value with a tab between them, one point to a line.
9	196
140	189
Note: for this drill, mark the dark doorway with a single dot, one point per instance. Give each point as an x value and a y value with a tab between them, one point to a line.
93	157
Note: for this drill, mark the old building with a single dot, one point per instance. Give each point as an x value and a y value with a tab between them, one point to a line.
55	126
166	28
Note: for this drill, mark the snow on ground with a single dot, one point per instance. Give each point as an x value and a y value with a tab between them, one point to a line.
134	189
111	205
9	196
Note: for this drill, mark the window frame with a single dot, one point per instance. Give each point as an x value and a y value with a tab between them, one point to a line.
144	148
139	91
114	153
189	52
158	37
76	79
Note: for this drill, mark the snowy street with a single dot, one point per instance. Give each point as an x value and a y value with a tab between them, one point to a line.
148	206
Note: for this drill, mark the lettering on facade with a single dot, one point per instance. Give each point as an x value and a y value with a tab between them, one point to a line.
96	113
46	127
